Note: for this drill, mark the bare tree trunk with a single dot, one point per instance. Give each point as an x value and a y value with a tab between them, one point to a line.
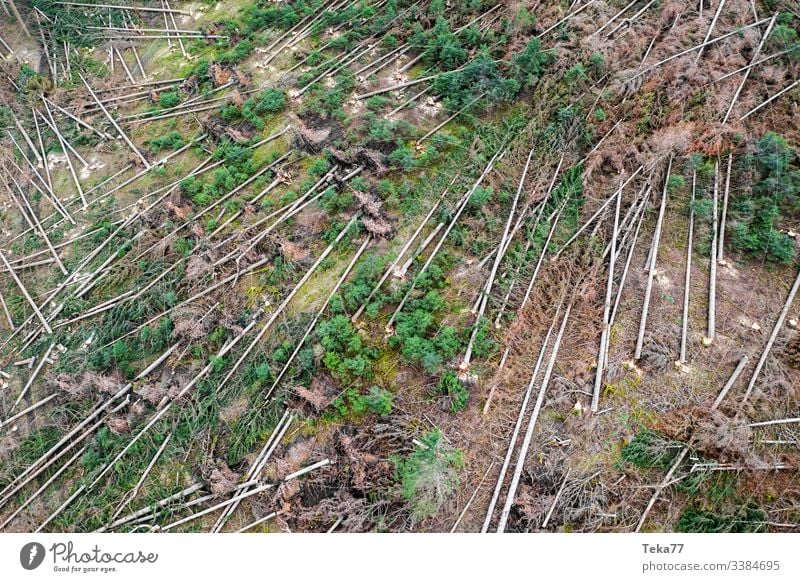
688	277
712	279
652	266
19	18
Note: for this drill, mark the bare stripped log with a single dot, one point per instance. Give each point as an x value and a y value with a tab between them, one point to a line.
566	18
42	361
74	118
113	122
688	276
604	334
242	496
723	219
627	23
31	408
266	327
629	259
395	87
775	422
594	216
35	495
652	266
63	452
660	488
387	273
471	499
204	260
518	268
698	47
754	59
504	241
772	337
121	7
259	521
18	16
54	452
731	381
556	498
515	434
135	491
710	29
25	293
41	231
7	313
317	317
712	277
260	462
63	143
685	450
523	453
770	100
81	431
450	118
154	507
166	405
528	292
461	207
614	18
754	64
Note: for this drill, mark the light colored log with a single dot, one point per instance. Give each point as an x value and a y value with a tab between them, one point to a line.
688	276
652	267
770	100
756	54
111	119
710	30
512	491
515	434
471	499
42	361
26	294
712	278
773	336
604	335
487	290
122	7
555	501
723	219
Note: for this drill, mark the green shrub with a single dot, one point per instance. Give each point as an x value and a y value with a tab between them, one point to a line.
428	474
6	117
744	519
379	400
238	53
413	331
480	196
335	201
444	48
531	62
346	356
755	219
169	99
270	101
450	385
282	17
650	449
481	76
170	141
318	167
